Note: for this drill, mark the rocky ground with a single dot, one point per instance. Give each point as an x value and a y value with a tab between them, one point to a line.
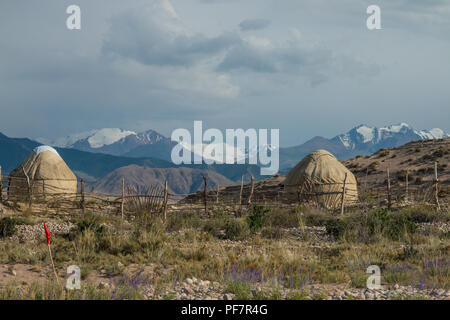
198	289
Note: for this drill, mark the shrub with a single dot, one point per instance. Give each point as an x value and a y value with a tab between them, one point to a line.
257	218
335	227
91	224
377	223
283	218
401	175
7	227
316	218
236	229
383	153
392	225
178	221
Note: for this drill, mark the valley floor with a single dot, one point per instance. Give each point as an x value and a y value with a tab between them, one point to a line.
297	253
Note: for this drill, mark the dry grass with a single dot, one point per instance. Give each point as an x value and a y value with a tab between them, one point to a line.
245	251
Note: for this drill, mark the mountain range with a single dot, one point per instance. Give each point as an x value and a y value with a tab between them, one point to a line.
94	166
362	139
103	157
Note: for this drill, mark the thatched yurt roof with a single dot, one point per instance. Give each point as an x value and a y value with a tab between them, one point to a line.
47	174
321	173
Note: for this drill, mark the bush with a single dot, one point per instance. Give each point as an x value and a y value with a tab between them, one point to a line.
257	218
336	227
7	227
378	223
178	221
236	229
316	218
283	218
392	225
401	175
91	224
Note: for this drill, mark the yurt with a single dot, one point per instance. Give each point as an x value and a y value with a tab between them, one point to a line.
45	172
320	177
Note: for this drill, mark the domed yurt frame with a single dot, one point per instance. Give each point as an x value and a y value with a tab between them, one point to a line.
320	177
43	173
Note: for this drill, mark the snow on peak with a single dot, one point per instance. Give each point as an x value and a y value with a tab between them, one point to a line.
396	128
366	133
107	136
66	141
434	133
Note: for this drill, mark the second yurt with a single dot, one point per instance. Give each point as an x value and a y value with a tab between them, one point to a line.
320	177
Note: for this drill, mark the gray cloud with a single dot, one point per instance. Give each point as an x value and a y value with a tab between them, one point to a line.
316	64
254	24
135	35
161	64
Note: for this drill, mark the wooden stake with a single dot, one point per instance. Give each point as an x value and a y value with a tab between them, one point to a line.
365	181
242	188
252	188
436	190
30	201
122	203
53	265
388	188
1	185
406	184
166	197
82	203
343	194
205	201
217	194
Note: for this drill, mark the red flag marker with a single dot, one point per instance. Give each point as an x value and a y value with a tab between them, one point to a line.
47	233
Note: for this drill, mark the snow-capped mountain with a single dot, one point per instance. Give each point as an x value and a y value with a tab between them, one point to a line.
113	141
362	139
365	137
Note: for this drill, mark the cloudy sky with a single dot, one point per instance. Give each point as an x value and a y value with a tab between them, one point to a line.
306	67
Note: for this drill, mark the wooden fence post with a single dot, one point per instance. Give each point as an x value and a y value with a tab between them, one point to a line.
242	188
436	190
388	188
30	195
1	185
406	184
217	194
252	188
365	181
343	194
205	201
82	203
166	198
122	203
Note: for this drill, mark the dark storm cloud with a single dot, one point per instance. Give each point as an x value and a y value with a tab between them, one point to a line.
254	24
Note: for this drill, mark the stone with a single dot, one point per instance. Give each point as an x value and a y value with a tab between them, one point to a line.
227	296
104	285
189	290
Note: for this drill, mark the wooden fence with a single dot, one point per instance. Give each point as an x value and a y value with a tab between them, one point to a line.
159	200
